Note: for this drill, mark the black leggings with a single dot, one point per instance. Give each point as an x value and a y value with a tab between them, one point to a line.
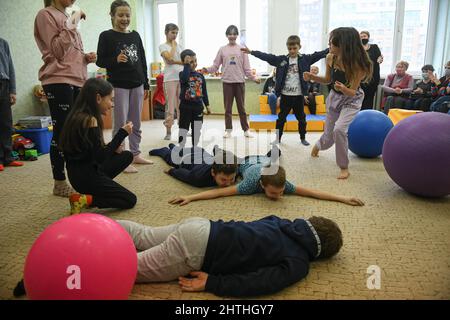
286	104
369	96
60	99
6	122
98	181
190	115
312	102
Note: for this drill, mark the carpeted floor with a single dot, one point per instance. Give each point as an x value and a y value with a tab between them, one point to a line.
406	236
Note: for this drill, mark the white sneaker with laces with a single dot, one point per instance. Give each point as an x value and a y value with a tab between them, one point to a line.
227	134
248	134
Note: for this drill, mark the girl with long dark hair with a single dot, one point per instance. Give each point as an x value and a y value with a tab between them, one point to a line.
347	66
92	165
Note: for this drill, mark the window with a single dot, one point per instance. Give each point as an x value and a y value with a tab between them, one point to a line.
414	34
205	23
257	30
167	13
310	24
377	17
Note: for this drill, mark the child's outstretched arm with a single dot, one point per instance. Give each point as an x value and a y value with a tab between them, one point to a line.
308	76
318	55
304	192
210	194
268	57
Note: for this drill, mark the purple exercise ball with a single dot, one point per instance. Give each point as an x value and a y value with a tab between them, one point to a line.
416	154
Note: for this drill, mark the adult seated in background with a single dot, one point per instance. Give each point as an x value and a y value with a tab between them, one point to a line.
441	91
269	91
421	97
313	91
370	89
397	88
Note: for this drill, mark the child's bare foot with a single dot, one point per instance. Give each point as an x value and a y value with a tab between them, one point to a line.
344	174
315	151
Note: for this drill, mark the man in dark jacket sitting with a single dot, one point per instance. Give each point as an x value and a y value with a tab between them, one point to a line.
233	258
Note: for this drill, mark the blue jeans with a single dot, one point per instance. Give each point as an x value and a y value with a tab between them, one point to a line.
272	97
439	106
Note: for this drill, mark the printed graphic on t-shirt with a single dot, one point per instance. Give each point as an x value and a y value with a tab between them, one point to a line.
194	91
292	84
131	52
233	60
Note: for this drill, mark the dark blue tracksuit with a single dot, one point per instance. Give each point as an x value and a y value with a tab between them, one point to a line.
258	257
190	165
291	102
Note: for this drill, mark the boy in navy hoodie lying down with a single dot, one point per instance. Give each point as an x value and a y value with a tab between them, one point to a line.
233	258
195	166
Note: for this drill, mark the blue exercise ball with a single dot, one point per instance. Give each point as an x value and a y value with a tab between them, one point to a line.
367	132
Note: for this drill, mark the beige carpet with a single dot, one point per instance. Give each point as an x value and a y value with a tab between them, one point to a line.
407	237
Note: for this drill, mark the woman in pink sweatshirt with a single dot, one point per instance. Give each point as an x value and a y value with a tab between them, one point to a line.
235	66
63	73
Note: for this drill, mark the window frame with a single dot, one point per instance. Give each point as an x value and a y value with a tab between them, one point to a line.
397	38
180	6
398	29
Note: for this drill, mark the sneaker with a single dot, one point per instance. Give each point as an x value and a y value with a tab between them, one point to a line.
19	290
130	169
247	134
139	160
304	142
168	136
14	164
189	134
227	134
78	202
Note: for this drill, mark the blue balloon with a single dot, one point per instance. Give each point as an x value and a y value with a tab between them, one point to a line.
367	132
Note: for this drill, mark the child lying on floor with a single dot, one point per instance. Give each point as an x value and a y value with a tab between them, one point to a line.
233	258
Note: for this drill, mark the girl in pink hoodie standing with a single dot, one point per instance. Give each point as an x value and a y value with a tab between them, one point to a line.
63	73
235	66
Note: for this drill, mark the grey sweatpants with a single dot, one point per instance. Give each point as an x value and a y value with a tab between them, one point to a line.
128	107
170	251
341	110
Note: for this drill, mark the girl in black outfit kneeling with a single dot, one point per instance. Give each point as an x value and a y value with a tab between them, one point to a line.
92	165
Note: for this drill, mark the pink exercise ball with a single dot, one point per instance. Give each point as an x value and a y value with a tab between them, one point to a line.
81	257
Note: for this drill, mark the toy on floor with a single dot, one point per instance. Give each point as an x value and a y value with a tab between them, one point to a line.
21	145
367	132
82	257
416	154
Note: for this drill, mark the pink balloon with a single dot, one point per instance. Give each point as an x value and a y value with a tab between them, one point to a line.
81	257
